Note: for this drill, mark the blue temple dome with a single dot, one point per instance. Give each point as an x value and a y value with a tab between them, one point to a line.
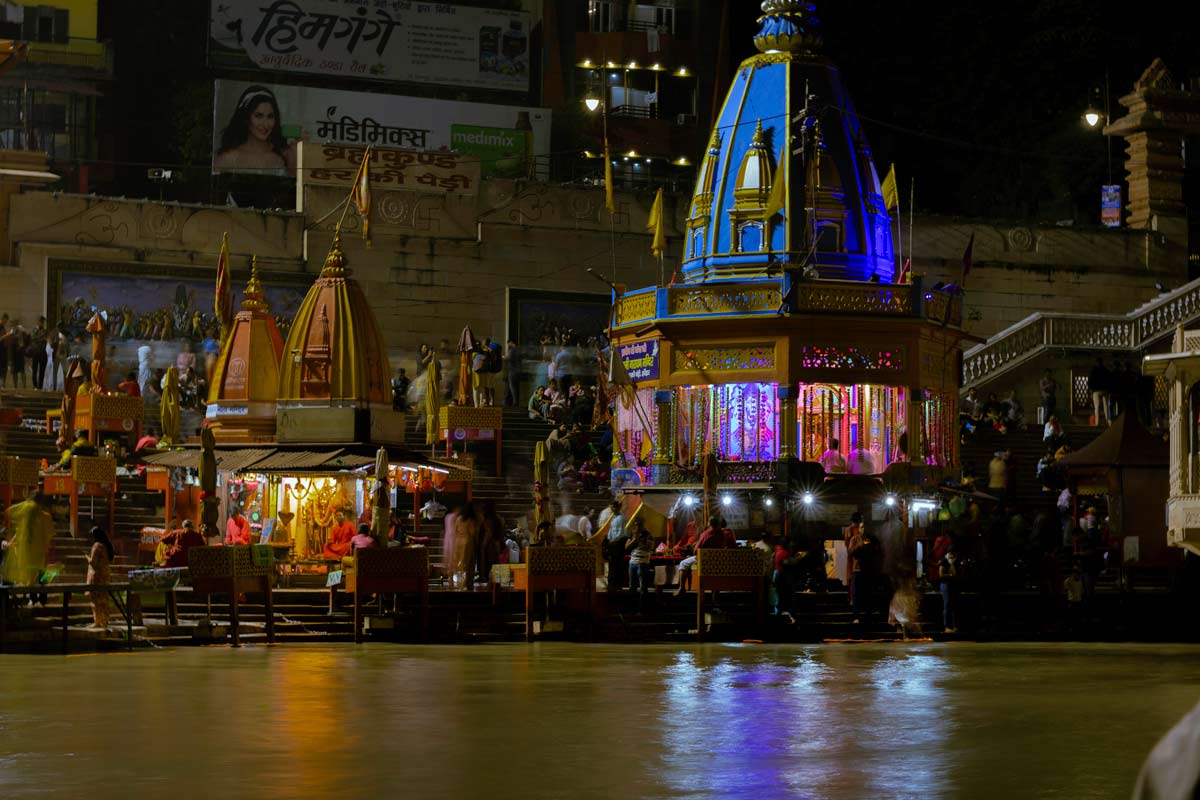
787	181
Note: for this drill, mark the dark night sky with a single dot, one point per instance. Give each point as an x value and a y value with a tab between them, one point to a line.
981	102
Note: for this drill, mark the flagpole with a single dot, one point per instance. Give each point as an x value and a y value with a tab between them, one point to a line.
912	201
350	196
899	233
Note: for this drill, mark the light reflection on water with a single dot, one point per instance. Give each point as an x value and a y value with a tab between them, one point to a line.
577	721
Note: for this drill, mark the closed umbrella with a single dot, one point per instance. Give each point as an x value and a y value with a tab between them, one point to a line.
381	501
169	408
433	396
466	347
208	482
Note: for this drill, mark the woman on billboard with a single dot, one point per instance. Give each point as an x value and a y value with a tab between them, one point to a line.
253	141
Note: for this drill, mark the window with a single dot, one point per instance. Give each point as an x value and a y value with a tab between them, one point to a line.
45	24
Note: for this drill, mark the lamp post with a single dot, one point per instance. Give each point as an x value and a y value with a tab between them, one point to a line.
1092	118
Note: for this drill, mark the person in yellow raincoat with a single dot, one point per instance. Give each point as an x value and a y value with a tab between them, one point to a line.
169	407
30	534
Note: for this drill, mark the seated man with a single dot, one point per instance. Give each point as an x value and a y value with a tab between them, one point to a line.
832	460
237	529
340	538
176	544
713	536
82	446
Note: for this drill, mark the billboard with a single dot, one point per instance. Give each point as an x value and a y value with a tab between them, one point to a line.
256	126
386	40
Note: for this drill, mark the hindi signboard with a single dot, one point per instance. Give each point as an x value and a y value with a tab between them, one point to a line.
1110	205
256	126
385	40
337	164
640	360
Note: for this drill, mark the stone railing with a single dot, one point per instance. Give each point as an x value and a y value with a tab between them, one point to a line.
1126	333
766	298
853	297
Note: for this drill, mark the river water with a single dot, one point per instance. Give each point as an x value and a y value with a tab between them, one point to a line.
591	721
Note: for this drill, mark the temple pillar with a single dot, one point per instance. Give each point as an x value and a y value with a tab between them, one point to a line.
1160	114
914	425
664	442
787	422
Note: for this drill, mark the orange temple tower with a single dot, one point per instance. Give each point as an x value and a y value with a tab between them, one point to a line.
241	402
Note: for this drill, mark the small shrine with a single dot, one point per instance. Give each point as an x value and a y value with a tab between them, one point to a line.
789	332
245	383
334	379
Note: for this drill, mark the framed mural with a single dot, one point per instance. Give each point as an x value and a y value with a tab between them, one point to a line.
151	301
536	314
556	333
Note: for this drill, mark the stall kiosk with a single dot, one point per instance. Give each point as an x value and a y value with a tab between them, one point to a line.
118	414
470	424
90	476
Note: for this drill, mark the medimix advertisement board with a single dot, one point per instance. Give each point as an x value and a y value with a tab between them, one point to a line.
387	40
256	127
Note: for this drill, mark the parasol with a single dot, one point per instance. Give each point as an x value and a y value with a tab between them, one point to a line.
208	482
433	397
466	347
381	502
541	488
169	408
711	476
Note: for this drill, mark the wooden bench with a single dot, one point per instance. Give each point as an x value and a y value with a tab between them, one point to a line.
562	568
231	571
729	569
389	570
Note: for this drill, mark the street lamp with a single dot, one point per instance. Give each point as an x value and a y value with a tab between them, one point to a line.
1092	117
592	102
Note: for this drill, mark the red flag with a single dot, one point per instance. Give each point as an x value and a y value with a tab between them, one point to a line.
223	305
966	269
905	272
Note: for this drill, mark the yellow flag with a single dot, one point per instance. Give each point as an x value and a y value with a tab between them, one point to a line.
778	197
658	245
609	202
891	198
361	194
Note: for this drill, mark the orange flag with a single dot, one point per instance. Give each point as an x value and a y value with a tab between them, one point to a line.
361	194
223	305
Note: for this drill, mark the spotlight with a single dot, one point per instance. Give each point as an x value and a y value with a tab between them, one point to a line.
726	500
1091	118
688	501
890	500
768	501
808	498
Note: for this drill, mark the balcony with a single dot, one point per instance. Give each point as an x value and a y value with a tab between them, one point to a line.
44	61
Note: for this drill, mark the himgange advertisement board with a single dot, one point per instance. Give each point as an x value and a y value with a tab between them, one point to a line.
385	40
256	126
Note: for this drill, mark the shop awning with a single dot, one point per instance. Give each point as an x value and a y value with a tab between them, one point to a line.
310	461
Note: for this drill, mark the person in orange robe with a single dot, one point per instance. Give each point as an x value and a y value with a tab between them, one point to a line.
237	530
339	538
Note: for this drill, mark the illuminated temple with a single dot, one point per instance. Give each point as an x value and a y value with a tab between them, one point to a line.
783	329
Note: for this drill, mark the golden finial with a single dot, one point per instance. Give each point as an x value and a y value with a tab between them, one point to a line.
757	142
788	26
335	262
714	144
255	297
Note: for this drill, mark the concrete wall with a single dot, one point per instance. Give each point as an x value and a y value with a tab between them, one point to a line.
439	262
1018	270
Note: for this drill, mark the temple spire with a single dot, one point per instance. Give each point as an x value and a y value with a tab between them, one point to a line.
335	262
255	299
788	26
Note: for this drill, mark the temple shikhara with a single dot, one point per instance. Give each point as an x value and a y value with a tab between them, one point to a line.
785	329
